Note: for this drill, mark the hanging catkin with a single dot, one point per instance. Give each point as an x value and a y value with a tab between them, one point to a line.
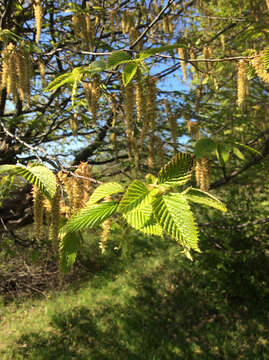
93	93
38	18
139	96
129	102
87	186
182	62
55	219
78	190
241	83
202	174
172	122
38	199
105	230
42	72
267	3
151	110
73	122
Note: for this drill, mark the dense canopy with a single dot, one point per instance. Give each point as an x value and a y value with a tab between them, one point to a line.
129	83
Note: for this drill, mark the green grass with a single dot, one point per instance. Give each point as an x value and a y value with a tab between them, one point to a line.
155	305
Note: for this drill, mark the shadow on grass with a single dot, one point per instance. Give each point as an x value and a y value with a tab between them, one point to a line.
167	316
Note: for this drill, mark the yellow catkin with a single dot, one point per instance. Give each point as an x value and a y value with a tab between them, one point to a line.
205	178
128	98
65	209
12	78
139	97
222	40
42	72
38	18
47	210
151	115
241	83
4	77
106	230
258	65
161	153
170	26
23	73
172	122
182	62
114	142
93	93
202	174
76	24
165	25
151	152
151	100
55	219
78	191
73	121
38	198
86	182
267	3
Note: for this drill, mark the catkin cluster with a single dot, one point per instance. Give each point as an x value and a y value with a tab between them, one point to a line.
127	22
258	64
241	83
16	72
93	93
84	29
168	26
208	54
202	173
77	188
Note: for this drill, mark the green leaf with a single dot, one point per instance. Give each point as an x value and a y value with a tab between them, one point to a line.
174	214
95	67
128	73
177	171
141	216
249	149
140	220
8	168
223	153
69	246
151	179
204	147
266	58
38	175
133	197
90	216
104	190
238	153
153	51
117	58
204	198
60	81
